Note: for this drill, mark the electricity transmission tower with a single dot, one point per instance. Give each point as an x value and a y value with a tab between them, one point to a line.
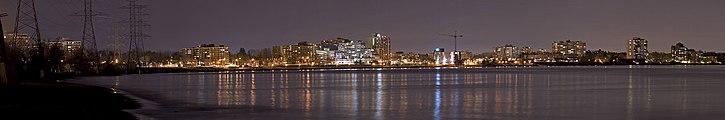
26	23
26	32
116	37
89	47
136	35
88	42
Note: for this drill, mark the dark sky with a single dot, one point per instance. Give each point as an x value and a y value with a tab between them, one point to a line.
413	25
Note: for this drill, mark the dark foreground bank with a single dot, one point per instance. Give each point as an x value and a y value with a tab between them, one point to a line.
63	101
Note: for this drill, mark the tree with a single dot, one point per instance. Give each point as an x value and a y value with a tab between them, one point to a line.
158	57
263	53
55	55
79	61
177	56
242	52
37	67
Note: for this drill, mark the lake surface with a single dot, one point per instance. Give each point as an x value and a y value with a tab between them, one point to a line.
535	93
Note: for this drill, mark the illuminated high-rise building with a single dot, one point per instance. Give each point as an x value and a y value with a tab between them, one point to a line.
682	54
380	43
569	47
506	53
343	51
637	49
206	55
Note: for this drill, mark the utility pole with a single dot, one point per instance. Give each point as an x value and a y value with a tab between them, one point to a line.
7	67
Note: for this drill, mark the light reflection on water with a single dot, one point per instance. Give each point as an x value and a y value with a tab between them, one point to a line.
624	92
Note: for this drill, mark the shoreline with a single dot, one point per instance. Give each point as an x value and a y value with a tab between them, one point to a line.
150	70
145	105
63	100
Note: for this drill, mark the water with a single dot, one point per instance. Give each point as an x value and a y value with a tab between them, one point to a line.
553	93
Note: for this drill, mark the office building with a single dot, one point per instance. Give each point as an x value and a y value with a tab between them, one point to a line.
381	44
506	53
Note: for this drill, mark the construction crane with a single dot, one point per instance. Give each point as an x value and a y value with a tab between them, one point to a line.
455	36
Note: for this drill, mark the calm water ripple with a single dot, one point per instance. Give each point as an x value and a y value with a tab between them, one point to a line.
553	93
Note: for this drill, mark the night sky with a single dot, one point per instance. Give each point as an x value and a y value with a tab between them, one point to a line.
413	25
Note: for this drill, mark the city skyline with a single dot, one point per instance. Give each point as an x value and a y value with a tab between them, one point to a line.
605	25
343	59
